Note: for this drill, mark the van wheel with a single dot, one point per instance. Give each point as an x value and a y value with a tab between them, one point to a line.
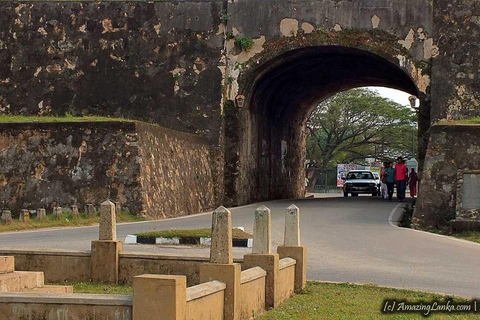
345	194
354	194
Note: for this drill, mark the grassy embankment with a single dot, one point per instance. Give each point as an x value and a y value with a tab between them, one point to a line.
194	233
66	118
325	301
65	221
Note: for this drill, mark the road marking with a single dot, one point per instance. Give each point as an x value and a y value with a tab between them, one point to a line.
390	217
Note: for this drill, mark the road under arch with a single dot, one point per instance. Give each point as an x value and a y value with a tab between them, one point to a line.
265	137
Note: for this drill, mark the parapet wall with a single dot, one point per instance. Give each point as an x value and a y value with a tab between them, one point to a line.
150	170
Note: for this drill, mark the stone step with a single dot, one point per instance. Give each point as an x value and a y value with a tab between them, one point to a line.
7	264
52	289
18	281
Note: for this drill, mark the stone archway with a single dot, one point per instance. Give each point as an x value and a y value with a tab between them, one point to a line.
265	135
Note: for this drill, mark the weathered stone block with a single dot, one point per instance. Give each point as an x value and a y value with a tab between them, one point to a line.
118	207
57	212
41	214
90	210
7	217
74	209
24	215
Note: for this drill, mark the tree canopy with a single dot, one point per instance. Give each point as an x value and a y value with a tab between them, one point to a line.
358	124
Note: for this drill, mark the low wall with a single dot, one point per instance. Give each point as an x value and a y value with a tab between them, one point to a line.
134	264
286	279
74	266
58	266
252	293
150	170
206	301
64	306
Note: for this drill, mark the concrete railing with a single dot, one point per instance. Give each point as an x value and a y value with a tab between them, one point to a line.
286	279
225	291
206	301
38	306
252	293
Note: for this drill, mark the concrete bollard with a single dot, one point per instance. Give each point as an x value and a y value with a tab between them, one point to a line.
105	252
292	226
41	214
7	217
57	212
221	247
221	266
262	239
90	210
159	297
262	257
24	215
292	248
74	209
108	223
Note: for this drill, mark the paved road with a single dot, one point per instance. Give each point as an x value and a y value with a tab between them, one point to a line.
349	240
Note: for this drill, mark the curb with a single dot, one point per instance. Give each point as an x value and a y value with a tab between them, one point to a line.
133	239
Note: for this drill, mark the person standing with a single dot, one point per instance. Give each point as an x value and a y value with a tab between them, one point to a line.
412	183
390	180
383	182
401	173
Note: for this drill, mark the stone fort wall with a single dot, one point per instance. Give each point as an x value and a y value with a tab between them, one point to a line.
150	170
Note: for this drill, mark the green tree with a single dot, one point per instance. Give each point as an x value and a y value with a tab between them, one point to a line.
358	124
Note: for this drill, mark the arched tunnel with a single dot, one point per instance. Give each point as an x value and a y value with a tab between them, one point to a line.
279	96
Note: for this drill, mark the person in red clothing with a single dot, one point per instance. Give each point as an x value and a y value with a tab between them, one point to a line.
412	183
401	173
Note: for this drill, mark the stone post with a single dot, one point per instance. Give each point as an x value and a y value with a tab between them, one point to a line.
57	212
292	226
74	211
24	215
159	297
221	247
118	207
221	266
41	214
262	257
106	250
292	248
90	210
7	217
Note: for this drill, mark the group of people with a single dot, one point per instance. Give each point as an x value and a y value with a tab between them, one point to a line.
399	176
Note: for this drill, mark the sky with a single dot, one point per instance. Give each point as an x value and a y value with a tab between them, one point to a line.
392	94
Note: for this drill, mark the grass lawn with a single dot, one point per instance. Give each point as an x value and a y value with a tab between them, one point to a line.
195	233
463	121
65	221
88	287
67	118
467	235
348	301
322	301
